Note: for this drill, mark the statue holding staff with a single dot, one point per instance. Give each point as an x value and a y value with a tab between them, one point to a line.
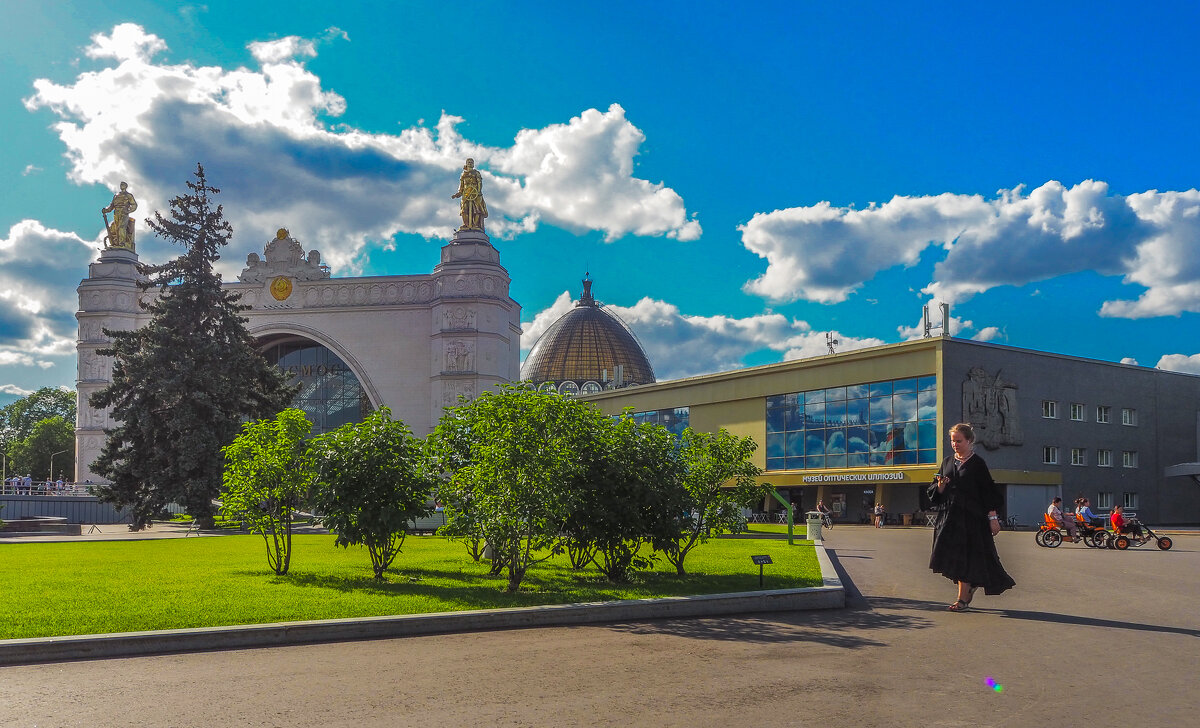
120	230
470	190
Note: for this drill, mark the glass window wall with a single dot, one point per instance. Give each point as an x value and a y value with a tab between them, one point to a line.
859	425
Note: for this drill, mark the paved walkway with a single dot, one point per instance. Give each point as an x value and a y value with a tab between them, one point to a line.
1086	633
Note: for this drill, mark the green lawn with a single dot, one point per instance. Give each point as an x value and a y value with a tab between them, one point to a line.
51	589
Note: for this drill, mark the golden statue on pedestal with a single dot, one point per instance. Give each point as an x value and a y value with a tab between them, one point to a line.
120	230
470	189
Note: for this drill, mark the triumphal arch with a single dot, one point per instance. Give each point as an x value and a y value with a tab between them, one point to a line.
414	343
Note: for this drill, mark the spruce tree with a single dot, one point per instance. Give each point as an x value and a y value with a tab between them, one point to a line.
183	384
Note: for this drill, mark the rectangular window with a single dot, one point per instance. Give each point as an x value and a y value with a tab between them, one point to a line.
1103	413
1104	500
1104	458
1129	458
1128	416
1078	456
1050	455
1050	409
1077	411
1129	500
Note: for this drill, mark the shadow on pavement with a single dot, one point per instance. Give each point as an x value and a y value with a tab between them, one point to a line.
846	628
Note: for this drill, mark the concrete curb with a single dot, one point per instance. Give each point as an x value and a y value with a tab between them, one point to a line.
830	595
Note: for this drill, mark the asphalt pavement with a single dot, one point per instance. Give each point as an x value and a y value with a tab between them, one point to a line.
1087	635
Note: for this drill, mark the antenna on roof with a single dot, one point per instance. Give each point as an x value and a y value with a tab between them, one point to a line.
831	342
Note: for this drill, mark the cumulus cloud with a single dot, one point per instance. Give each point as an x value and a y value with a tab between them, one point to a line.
266	139
1129	360
14	389
1180	363
823	253
39	271
30	169
679	345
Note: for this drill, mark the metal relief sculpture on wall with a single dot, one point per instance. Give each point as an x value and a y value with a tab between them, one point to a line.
990	406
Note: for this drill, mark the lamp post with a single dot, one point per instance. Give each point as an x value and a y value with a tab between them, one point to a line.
51	478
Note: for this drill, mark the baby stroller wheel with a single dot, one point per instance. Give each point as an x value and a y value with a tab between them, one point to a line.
1121	542
1052	539
1165	543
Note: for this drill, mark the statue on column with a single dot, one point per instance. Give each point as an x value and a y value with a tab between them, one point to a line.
120	230
470	190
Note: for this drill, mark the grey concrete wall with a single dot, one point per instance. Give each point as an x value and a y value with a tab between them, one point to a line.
76	509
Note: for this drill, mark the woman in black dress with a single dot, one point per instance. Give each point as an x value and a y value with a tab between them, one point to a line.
967	501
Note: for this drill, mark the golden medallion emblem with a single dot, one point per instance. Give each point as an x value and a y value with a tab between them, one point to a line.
281	288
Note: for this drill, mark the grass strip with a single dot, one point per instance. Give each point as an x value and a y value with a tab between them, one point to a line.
53	589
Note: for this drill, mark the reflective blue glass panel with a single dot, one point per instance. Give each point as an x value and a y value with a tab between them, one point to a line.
775	463
927	406
904	386
835	414
881	388
814	415
856	411
857	439
835	394
814	442
927	435
881	409
858	391
775	446
881	438
835	461
795	444
927	384
796	463
904	407
925	457
835	443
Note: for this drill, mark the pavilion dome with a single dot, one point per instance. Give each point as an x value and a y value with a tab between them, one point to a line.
582	350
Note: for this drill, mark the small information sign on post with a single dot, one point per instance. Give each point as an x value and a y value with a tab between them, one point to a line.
761	559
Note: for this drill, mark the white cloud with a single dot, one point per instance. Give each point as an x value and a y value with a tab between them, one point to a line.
1180	363
264	138
579	175
14	389
39	271
1130	360
128	42
30	169
823	253
679	345
284	49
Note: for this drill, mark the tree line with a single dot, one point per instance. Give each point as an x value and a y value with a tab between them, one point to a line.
522	476
37	430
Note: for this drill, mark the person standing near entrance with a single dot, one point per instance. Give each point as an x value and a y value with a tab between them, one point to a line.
967	502
879	515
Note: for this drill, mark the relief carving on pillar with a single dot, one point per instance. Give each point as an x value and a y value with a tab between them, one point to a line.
459	317
453	390
460	356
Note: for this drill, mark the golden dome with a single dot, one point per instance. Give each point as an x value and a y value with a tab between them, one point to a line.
584	348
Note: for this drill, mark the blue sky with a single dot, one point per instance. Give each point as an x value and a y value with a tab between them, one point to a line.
738	181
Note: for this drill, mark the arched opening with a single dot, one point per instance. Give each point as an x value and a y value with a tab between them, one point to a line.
330	394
